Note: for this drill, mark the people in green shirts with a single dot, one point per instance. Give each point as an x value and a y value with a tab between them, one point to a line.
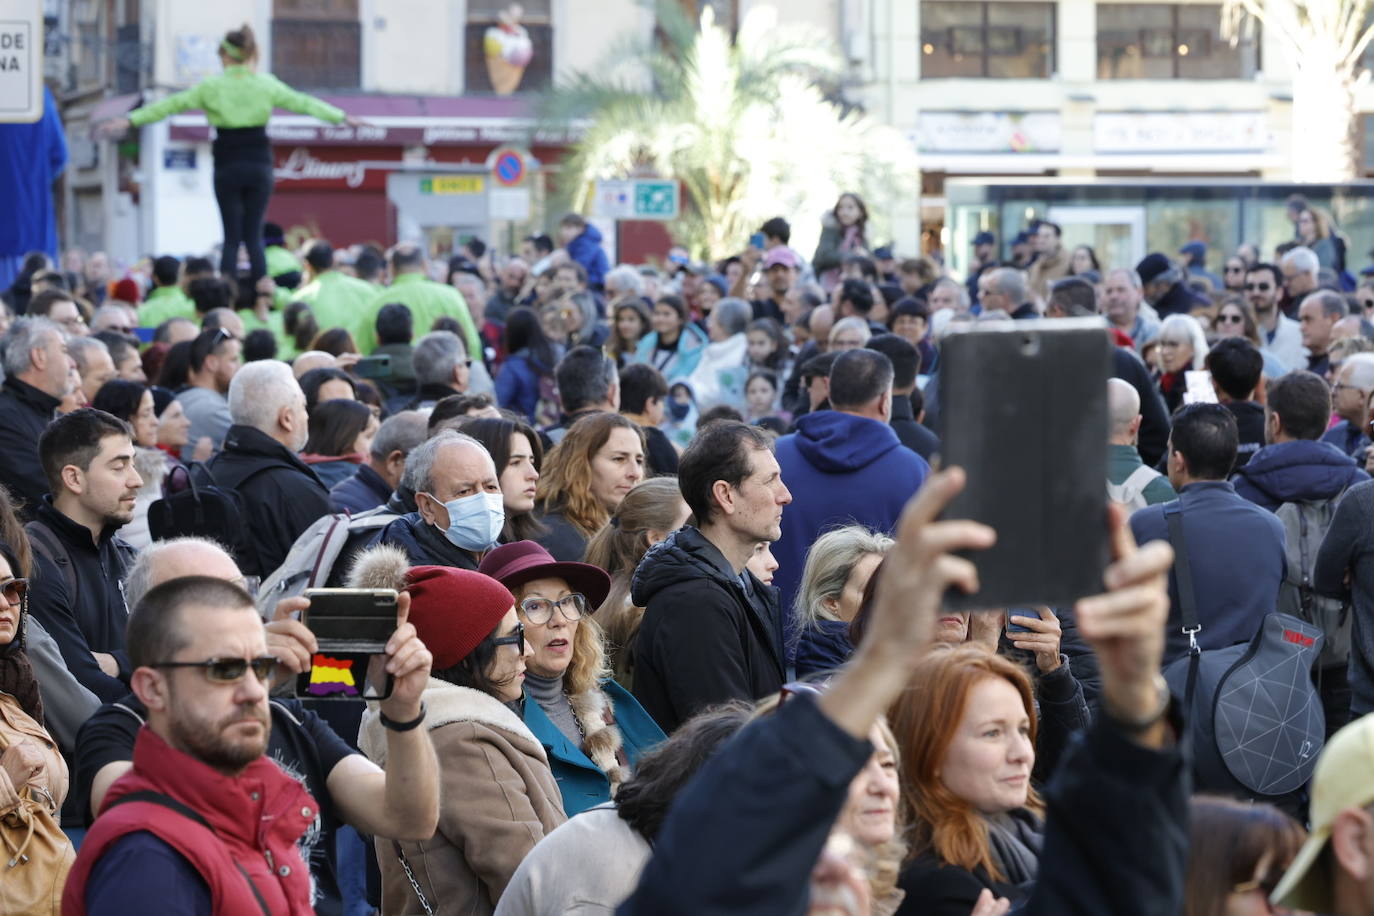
238	103
336	299
427	301
166	299
282	266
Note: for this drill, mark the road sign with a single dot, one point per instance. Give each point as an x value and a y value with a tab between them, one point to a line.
637	198
452	184
21	61
509	168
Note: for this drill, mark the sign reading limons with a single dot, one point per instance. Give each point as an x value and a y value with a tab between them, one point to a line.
21	60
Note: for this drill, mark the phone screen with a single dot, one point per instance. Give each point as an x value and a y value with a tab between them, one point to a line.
756	240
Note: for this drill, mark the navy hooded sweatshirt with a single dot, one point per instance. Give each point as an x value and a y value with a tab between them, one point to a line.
1301	471
842	469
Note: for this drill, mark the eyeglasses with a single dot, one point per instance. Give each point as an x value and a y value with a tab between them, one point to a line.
516	638
229	670
14	590
1234	268
1230	319
540	610
1259	287
797	688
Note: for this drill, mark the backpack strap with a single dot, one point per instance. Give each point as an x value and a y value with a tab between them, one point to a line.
51	547
1187	599
1140	478
170	803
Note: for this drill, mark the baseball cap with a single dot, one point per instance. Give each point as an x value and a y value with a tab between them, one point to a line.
985	238
1194	249
882	253
780	255
1344	778
1151	266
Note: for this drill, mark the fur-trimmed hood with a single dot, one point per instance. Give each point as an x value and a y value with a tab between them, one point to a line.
446	704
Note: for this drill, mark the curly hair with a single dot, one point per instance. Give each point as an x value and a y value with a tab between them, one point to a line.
565	483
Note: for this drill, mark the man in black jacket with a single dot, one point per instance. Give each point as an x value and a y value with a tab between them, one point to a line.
445	472
904	422
36	366
712	632
279	496
77	592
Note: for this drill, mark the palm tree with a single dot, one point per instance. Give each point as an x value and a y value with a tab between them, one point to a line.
743	125
1324	41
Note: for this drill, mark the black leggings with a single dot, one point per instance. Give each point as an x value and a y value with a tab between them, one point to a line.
243	189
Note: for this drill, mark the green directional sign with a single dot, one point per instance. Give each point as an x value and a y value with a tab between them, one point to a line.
655	199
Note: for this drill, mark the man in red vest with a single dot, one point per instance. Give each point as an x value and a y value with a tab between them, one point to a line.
203	820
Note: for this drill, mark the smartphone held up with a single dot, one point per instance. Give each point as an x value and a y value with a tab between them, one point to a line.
1025	415
351	627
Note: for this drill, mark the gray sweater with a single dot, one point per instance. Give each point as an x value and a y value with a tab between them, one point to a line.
1349	546
548	693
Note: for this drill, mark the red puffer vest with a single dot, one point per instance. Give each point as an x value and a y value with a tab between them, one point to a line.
244	846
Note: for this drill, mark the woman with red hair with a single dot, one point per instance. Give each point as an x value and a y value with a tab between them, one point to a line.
967	726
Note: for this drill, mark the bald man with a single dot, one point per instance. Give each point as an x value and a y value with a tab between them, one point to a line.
1129	481
400	802
1350	401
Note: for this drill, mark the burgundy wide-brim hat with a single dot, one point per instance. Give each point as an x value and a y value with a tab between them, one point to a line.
522	561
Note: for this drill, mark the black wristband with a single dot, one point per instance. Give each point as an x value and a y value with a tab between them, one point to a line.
395	726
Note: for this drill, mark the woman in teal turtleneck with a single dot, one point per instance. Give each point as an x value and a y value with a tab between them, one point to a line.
238	103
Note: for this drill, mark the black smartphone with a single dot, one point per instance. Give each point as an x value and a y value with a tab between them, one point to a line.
351	627
373	366
1024	405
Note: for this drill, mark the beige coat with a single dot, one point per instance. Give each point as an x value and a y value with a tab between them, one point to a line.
497	800
1044	271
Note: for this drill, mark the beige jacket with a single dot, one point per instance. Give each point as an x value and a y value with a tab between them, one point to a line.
1044	271
497	800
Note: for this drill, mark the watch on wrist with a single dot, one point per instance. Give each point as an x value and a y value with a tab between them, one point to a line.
1139	724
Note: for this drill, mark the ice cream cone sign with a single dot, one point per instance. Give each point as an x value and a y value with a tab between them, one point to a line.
508	49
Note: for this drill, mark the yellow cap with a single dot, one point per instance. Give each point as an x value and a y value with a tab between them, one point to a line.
1343	779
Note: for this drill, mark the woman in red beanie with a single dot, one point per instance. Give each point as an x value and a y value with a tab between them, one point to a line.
498	796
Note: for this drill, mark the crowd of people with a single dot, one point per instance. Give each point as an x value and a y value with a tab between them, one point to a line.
670	572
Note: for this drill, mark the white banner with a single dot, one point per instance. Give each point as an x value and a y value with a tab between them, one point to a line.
988	132
1181	132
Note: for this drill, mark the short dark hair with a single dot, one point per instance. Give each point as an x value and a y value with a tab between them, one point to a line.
1302	400
74	439
1075	296
584	377
406	257
575	267
858	377
858	294
640	383
206	344
644	799
1206	436
1055	226
819	366
368	263
1273	269
573	219
334	425
903	356
120	398
777	228
455	407
121	346
166	270
320	256
311	383
155	634
40	304
720	451
210	293
541	242
1236	366
911	307
395	324
198	266
259	344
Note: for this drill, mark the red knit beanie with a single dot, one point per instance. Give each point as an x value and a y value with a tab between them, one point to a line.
454	609
126	290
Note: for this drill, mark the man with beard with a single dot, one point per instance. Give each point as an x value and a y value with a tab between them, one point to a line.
399	803
1281	335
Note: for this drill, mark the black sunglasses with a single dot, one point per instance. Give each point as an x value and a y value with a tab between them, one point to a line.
229	670
516	638
14	590
1261	287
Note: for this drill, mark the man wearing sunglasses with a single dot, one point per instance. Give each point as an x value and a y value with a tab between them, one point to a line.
400	802
1282	335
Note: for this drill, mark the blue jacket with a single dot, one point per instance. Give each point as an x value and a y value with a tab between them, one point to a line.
824	647
1300	471
364	490
691	344
1349	439
1236	553
581	781
517	384
842	469
586	250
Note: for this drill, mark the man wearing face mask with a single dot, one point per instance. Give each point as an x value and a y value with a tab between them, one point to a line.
459	507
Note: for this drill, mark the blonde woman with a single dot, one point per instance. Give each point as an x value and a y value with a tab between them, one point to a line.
837	570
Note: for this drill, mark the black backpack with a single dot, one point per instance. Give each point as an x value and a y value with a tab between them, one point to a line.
1255	720
200	508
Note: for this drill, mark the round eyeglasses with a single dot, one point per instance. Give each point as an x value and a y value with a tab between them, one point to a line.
540	610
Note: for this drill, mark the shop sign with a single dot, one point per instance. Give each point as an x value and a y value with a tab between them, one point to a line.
1181	132
637	198
988	132
300	165
452	184
281	130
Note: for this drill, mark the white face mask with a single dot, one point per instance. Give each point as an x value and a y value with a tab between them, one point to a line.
476	521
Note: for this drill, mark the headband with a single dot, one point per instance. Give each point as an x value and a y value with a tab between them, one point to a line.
231	50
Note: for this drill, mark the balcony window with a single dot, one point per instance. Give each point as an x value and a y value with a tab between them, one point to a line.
317	44
995	40
1170	41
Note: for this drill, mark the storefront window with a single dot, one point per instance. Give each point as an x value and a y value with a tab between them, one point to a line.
317	44
1170	41
996	40
509	46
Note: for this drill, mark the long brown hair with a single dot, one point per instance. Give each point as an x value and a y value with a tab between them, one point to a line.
565	484
495	433
925	719
617	347
653	505
1227	840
